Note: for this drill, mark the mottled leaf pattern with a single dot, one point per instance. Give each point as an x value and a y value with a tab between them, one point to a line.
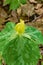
35	34
20	49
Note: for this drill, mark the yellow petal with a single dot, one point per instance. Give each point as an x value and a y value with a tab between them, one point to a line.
20	27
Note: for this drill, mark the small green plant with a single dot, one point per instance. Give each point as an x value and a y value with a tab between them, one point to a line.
14	4
19	44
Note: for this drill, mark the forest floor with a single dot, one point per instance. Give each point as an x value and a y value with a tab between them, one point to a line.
31	13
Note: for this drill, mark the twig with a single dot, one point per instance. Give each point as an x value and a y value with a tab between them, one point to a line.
26	21
38	17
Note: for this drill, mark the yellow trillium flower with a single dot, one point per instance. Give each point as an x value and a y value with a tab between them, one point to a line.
20	27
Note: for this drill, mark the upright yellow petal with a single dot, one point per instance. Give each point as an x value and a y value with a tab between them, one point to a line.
20	27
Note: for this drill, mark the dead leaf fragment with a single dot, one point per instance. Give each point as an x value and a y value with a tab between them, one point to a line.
33	1
39	11
38	6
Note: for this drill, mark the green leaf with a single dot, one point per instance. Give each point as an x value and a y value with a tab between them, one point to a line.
35	34
14	4
6	34
21	51
9	27
23	1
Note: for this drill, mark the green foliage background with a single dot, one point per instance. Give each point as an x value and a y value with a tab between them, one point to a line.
14	4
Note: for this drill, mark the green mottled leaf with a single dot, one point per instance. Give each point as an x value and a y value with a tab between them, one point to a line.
21	51
35	34
6	34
